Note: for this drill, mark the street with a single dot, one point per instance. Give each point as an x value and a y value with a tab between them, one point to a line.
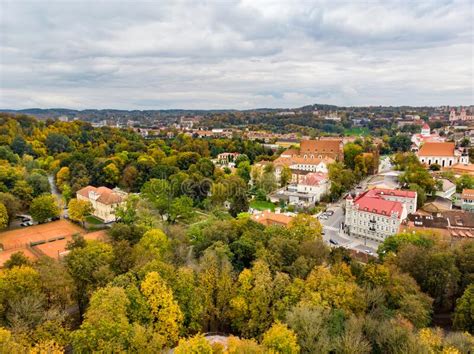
332	231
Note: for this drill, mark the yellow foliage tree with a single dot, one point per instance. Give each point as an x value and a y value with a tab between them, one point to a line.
165	310
333	290
194	345
280	339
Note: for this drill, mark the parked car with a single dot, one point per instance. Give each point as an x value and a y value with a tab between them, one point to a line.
330	212
26	223
334	242
323	217
23	217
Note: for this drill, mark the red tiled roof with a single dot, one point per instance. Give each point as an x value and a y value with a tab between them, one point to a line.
437	149
377	205
106	195
378	192
314	178
287	161
268	218
321	146
467	193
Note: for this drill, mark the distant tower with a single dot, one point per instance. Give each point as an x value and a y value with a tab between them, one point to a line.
463	116
464	159
426	130
452	115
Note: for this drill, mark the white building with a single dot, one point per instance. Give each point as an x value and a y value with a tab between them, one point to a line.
462	116
377	214
425	136
443	154
467	200
306	192
104	201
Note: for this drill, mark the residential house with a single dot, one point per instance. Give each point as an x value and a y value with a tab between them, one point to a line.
467	200
104	201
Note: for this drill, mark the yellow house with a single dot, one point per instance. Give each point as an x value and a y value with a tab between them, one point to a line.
104	201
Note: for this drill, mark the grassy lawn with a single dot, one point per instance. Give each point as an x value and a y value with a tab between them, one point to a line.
357	131
93	220
261	205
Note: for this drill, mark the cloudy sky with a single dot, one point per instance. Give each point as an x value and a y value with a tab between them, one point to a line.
235	54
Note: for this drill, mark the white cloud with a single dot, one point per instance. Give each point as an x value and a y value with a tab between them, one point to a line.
144	55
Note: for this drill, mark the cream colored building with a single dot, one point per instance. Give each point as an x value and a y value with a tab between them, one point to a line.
377	214
104	201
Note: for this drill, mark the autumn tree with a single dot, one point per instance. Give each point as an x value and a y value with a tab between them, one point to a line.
89	266
79	210
464	313
251	307
194	345
44	207
12	204
280	339
167	316
3	216
105	326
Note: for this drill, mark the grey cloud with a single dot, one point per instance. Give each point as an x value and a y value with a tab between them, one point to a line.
234	54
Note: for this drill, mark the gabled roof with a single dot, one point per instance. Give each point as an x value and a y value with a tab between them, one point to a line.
314	178
268	218
468	193
105	195
321	146
381	192
378	206
437	149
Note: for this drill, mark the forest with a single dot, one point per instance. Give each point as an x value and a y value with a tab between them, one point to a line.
179	265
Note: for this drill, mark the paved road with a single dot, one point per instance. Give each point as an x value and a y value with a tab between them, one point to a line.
332	231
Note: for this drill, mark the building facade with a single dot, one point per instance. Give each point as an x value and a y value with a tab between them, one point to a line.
105	201
442	154
377	214
467	200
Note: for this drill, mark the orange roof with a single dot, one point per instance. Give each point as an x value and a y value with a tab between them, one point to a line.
321	146
437	149
268	218
461	168
467	193
288	161
106	195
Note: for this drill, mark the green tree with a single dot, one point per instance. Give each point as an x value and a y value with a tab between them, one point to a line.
3	216
285	176
12	204
351	151
464	313
39	183
57	143
111	174
243	170
44	207
106	327
90	267
79	210
17	259
304	227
